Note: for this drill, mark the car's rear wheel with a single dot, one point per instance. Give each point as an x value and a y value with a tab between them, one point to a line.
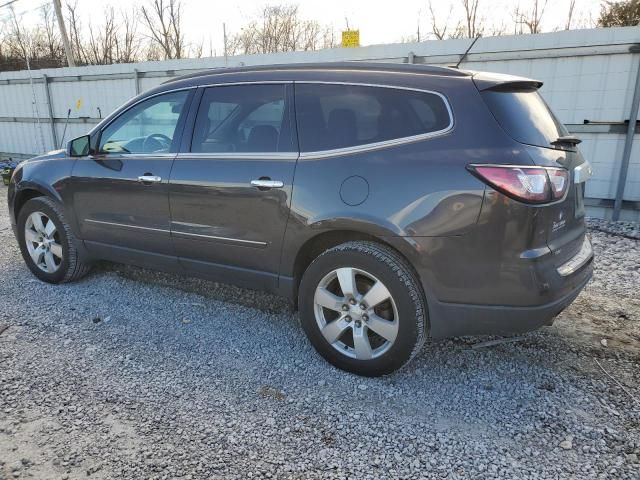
47	243
363	309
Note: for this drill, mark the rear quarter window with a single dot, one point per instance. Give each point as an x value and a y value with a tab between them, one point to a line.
341	116
525	116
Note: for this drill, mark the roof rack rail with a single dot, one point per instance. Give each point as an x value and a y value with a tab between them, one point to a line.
363	66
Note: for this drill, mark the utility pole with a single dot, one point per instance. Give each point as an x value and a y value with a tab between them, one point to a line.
224	38
63	33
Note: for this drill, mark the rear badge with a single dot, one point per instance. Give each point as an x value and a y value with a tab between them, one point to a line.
560	223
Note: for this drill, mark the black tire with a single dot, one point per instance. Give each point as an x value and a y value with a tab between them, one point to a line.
401	281
70	267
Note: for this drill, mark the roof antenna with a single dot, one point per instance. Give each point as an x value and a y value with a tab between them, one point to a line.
467	52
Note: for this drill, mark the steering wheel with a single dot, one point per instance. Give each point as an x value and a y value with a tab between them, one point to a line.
161	141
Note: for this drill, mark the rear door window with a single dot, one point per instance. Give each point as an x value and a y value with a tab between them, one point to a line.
242	119
339	116
525	116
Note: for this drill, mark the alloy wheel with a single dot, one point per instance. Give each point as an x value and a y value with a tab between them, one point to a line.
43	242
356	313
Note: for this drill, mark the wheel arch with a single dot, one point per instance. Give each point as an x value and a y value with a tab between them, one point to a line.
27	191
323	241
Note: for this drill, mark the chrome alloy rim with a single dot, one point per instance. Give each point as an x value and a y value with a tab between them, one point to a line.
43	242
356	313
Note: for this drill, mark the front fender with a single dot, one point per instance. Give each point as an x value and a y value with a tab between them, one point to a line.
47	177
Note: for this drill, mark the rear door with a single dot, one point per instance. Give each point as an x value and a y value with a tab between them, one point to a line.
230	187
121	193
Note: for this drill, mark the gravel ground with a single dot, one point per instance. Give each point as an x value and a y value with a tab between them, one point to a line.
132	374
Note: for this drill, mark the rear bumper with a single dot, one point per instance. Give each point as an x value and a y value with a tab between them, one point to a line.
454	319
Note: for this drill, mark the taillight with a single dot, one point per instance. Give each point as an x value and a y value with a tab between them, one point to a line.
559	178
535	185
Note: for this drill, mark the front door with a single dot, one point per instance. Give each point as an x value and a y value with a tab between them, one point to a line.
120	193
230	187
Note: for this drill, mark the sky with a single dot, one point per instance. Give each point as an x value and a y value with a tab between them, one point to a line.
378	21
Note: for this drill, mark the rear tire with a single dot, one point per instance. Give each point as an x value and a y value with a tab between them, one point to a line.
47	243
363	308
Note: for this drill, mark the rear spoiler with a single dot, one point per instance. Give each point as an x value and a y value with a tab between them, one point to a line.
499	81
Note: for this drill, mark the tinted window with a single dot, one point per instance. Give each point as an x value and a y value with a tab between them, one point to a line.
242	118
148	127
525	116
339	116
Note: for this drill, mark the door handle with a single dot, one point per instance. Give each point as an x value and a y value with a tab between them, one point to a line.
149	179
267	183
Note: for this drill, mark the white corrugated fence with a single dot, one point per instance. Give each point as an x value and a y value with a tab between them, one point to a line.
589	78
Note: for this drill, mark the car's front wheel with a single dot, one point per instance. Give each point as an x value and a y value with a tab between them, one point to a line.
47	243
363	309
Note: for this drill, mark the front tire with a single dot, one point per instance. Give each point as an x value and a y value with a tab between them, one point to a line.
47	243
363	308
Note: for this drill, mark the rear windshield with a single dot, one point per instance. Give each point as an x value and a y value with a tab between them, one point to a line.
525	116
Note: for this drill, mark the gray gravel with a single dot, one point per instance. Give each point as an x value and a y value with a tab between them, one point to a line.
132	374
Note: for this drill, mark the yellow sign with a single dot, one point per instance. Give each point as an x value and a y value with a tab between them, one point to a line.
78	104
351	38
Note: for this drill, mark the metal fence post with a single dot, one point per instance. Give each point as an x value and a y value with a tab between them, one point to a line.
136	80
52	122
628	145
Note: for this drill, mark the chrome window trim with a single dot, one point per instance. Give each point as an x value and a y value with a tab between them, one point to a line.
129	156
248	82
386	143
124	225
327	153
240	155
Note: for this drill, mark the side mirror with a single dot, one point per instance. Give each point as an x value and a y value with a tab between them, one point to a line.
78	147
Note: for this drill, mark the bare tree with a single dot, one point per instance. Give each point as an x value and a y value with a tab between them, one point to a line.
619	13
280	29
443	29
52	39
127	42
102	39
495	30
530	19
572	6
113	40
163	19
20	40
473	28
75	33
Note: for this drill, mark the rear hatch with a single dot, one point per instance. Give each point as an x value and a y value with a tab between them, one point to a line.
524	115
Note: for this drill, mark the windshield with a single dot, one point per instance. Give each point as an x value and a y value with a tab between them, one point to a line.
525	116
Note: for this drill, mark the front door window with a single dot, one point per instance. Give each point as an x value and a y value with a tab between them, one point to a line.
148	127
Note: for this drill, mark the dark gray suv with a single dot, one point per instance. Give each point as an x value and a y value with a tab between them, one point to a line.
391	203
